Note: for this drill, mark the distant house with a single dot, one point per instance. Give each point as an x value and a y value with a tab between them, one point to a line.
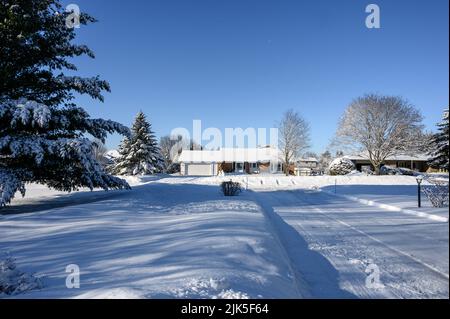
230	160
261	160
305	167
417	163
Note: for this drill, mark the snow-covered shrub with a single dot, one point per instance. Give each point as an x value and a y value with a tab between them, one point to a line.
13	281
388	170
437	192
231	188
367	170
341	166
406	171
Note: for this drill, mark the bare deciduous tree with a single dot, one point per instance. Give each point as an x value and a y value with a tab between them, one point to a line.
383	126
99	150
172	146
325	160
294	137
170	149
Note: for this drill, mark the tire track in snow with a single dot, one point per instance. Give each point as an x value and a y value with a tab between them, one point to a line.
314	275
396	250
297	280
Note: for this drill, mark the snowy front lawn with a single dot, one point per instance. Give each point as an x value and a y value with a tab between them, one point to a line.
157	241
179	237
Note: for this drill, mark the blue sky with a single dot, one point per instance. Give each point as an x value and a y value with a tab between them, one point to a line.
241	63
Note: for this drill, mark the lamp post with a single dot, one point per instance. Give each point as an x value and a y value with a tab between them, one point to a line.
419	180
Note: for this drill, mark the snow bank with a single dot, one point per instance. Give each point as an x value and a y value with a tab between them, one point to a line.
270	182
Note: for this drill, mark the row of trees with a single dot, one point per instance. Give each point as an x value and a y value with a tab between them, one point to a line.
380	126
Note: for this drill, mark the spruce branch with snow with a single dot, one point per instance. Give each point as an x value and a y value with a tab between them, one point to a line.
46	145
42	131
140	154
382	126
36	48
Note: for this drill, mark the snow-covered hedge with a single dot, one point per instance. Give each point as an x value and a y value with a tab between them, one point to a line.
389	170
341	166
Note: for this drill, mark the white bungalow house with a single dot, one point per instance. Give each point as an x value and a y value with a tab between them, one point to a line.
230	160
417	162
261	160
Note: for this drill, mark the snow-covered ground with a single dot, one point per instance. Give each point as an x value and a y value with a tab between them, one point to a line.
157	241
286	237
410	253
392	192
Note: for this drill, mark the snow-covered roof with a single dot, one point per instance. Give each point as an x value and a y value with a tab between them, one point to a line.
251	155
404	157
309	159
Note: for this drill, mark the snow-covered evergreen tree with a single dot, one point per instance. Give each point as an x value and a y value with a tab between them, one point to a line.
440	145
42	132
46	145
139	155
120	164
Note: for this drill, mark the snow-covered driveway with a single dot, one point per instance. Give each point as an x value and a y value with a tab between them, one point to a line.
411	253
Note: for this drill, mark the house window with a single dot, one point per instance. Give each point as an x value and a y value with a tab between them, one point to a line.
239	167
